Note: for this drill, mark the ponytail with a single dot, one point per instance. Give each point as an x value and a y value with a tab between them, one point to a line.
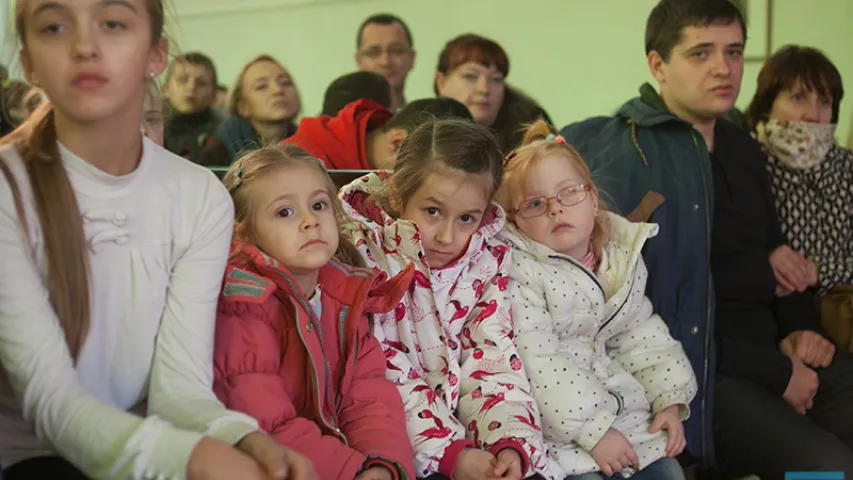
61	224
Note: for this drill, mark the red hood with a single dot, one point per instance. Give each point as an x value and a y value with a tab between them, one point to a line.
340	141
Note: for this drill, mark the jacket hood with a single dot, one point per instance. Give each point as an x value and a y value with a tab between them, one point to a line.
403	235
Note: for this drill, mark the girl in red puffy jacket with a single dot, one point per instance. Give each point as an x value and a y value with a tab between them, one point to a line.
294	346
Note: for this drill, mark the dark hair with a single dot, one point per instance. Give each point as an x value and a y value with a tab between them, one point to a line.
518	111
356	86
383	19
786	68
419	112
450	144
221	88
194	58
471	48
64	241
670	17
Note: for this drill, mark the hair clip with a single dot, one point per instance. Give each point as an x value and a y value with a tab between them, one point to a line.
556	138
239	172
509	157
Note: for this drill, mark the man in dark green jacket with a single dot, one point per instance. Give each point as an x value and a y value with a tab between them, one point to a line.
669	159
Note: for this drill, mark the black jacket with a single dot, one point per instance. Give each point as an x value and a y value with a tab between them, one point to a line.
750	319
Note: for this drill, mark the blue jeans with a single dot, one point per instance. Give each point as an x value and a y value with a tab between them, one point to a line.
663	469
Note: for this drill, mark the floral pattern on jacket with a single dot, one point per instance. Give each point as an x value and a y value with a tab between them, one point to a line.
596	355
449	343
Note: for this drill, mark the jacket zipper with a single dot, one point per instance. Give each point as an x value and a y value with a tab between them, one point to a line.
600	287
317	389
708	298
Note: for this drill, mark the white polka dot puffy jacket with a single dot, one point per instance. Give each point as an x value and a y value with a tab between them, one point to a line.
596	355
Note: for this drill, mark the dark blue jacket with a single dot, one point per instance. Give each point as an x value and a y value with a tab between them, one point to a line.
651	165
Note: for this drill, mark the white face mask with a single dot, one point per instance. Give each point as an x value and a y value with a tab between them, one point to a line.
798	145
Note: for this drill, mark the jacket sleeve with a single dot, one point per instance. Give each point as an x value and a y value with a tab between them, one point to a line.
246	364
371	415
574	405
434	432
762	364
495	392
647	350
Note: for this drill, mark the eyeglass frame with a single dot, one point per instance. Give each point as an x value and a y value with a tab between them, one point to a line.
547	200
393	51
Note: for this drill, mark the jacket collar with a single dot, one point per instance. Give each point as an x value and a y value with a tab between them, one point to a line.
648	110
346	284
403	236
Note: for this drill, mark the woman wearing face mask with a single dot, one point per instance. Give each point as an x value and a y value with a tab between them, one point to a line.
262	106
794	115
473	70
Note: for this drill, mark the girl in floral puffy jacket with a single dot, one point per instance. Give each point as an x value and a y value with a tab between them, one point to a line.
448	343
611	383
294	346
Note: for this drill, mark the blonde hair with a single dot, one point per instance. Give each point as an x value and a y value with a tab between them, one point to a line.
534	147
56	204
444	145
240	179
236	94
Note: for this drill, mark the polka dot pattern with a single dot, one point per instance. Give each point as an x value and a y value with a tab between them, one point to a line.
596	354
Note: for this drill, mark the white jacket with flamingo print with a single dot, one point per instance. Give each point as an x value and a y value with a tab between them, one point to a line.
596	355
449	343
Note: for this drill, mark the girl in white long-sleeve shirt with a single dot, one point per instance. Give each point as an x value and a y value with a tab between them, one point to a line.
113	252
606	373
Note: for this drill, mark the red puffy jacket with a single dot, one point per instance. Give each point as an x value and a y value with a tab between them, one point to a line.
316	385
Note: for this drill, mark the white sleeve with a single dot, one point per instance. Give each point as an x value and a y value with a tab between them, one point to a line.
575	406
182	374
103	441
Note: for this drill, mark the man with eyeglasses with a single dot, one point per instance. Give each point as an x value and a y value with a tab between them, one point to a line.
385	47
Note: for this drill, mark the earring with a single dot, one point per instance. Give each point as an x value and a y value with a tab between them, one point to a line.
152	74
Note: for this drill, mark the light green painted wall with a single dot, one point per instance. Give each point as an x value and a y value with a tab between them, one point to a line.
577	57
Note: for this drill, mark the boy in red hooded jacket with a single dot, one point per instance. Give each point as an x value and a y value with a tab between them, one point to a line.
294	346
365	135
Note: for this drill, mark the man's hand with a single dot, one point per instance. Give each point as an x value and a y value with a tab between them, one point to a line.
802	387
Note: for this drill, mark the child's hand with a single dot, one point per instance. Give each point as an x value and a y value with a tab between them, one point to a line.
509	465
668	419
614	453
474	464
278	461
375	473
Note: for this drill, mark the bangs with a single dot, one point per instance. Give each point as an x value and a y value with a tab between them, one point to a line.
793	66
475	49
814	75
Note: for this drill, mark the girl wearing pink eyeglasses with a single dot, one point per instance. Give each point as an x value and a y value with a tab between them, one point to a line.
612	385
